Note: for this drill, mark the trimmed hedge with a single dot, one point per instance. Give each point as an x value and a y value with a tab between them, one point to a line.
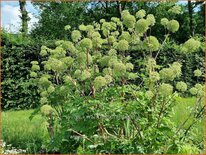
18	92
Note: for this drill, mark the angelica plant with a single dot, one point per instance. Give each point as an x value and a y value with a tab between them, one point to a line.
93	75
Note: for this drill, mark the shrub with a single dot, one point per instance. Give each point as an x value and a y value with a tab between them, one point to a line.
98	107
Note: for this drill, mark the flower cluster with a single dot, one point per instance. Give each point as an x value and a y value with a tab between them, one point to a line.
119	69
123	45
175	9
181	86
197	73
76	35
191	45
173	25
164	21
151	44
128	20
99	82
151	19
154	76
141	26
168	74
47	110
198	90
141	13
165	89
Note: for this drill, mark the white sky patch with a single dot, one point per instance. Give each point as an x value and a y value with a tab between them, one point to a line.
10	16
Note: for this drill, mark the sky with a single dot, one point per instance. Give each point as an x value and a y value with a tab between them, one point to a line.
10	15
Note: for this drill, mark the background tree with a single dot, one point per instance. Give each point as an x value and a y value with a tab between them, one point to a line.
24	16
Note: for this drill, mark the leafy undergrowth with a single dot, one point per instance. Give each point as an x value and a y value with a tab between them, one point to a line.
20	132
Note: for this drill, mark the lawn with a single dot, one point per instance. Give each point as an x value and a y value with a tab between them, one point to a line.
22	133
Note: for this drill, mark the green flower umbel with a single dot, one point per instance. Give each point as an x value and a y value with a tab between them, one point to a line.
99	82
165	89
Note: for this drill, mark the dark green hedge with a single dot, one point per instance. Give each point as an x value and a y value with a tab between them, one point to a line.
18	92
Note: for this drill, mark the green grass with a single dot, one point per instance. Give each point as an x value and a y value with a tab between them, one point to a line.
18	130
182	111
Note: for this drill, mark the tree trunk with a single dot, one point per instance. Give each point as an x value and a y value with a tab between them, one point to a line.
24	16
190	10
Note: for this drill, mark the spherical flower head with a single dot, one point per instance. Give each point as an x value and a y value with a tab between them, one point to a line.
89	28
154	76
115	33
141	13
107	71
33	74
141	26
123	45
150	19
106	26
111	39
115	19
191	45
165	89
102	20
129	21
129	66
181	86
43	53
67	45
167	74
193	91
44	94
82	58
44	82
99	82
119	69
108	78
43	100
151	44
34	62
149	94
125	36
132	76
68	61
55	65
86	43
112	62
76	35
46	110
112	52
95	35
164	21
82	27
197	73
173	25
125	13
198	86
51	89
67	27
58	52
175	9
104	60
85	75
176	67
77	73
